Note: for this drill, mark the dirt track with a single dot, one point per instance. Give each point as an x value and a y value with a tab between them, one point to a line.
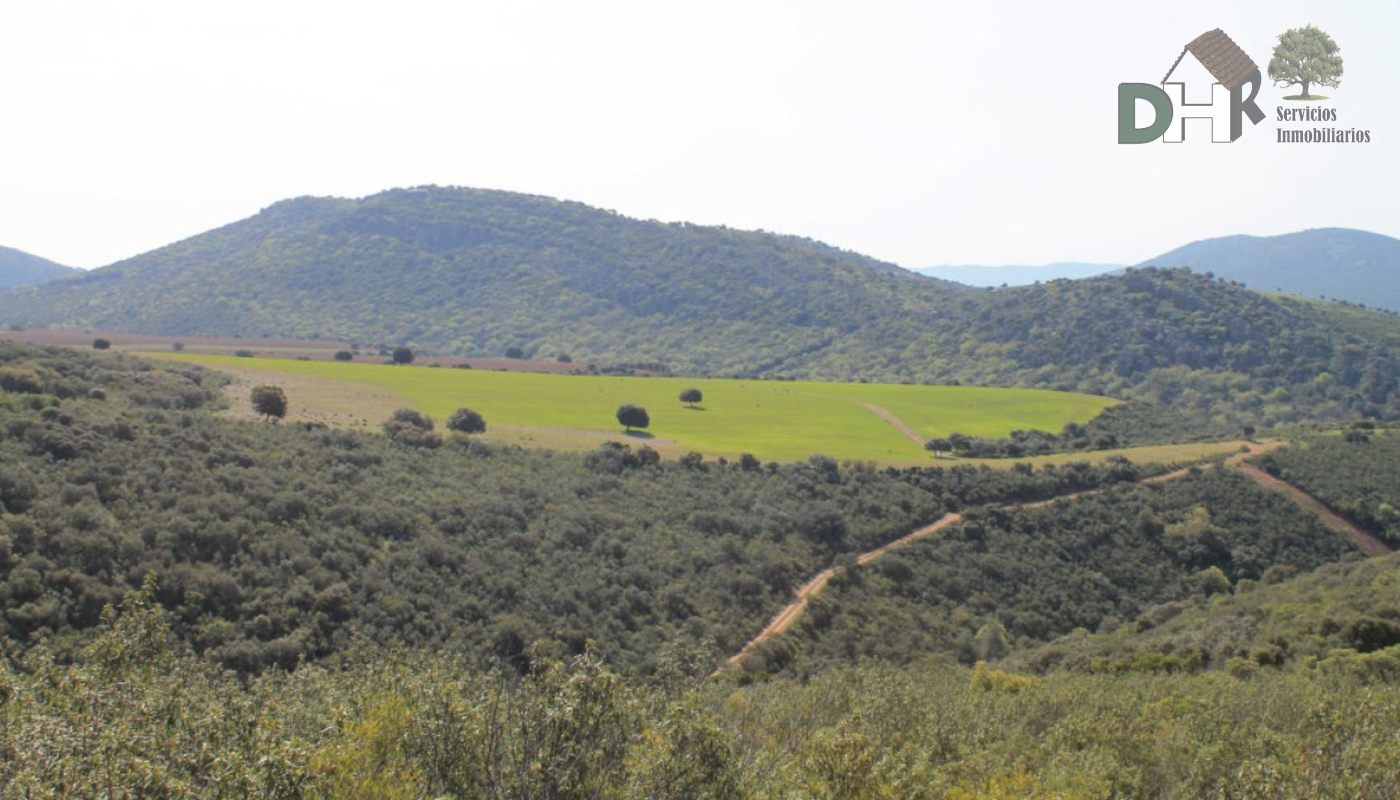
887	416
1367	543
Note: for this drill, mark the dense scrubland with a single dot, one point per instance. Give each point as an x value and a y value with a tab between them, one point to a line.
278	543
202	607
1356	473
135	719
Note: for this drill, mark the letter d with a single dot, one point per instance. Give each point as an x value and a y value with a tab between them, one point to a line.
1128	94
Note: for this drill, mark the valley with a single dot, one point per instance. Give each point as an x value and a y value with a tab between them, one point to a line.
772	420
1158	498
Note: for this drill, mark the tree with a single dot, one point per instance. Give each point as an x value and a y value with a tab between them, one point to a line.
465	420
270	401
411	428
632	416
1306	56
514	352
101	344
691	396
344	355
402	355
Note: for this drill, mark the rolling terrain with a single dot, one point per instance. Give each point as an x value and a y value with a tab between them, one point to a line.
18	268
1016	275
461	272
773	420
1338	263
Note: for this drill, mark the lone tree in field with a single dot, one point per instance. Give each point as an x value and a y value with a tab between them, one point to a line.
1306	56
691	396
464	420
101	344
402	355
270	401
632	416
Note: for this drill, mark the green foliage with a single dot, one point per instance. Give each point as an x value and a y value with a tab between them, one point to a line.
410	428
1306	56
277	545
269	401
551	276
344	355
1355	474
1341	618
18	268
403	724
1010	579
402	355
632	416
692	396
101	344
465	420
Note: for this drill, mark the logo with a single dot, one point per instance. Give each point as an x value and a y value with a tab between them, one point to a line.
1232	69
1306	57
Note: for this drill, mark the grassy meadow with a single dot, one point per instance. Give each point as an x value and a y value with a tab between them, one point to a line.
774	420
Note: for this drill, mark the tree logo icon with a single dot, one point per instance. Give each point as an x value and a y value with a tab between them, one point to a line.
1306	56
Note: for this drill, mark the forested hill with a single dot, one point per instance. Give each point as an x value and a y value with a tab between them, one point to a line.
466	271
474	272
18	268
1352	265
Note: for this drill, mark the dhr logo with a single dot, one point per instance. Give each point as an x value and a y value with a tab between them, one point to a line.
1232	69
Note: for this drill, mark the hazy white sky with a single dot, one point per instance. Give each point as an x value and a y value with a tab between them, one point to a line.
917	132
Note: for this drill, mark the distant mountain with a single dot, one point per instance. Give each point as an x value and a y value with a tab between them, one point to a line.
18	268
1338	263
1016	275
474	272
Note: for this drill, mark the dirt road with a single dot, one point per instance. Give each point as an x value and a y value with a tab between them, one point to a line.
887	416
785	619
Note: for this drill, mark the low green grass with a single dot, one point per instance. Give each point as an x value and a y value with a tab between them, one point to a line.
773	420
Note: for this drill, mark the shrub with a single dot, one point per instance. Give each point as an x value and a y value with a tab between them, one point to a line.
465	420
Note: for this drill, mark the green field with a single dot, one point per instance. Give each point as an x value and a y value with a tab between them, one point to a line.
774	420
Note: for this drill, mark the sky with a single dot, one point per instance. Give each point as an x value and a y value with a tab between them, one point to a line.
920	133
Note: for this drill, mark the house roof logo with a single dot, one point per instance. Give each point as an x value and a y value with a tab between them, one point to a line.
1221	57
1231	67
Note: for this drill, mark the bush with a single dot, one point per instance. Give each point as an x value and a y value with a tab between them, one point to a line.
402	355
465	420
411	428
101	344
344	355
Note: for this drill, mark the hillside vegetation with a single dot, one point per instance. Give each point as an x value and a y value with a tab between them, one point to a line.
1357	474
18	268
137	718
1007	579
1340	263
273	544
472	272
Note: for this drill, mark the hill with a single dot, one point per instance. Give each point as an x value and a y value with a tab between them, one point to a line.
18	268
474	272
1016	275
1339	263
